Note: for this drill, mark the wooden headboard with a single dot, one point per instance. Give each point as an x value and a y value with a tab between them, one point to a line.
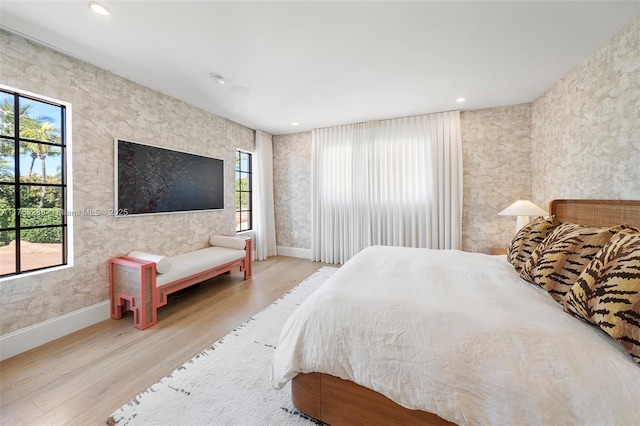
597	212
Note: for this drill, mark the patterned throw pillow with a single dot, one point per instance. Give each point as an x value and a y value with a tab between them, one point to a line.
607	293
558	261
527	239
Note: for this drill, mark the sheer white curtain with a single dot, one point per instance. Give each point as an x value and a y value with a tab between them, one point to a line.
393	182
264	217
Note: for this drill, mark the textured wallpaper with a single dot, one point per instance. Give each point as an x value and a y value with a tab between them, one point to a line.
579	139
496	148
497	171
292	189
586	128
105	106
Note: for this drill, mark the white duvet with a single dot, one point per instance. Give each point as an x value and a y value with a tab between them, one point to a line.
460	335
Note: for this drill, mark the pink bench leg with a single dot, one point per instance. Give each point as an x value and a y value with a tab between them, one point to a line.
133	281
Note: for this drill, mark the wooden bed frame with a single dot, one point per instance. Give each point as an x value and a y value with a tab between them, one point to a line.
341	402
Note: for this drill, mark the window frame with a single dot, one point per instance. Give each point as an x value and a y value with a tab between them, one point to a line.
65	185
248	173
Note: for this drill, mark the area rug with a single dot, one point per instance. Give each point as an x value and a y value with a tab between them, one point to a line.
230	382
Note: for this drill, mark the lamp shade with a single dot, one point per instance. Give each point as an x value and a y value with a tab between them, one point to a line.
523	208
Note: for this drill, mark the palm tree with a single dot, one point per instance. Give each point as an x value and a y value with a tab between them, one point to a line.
7	117
6	150
38	130
7	125
41	131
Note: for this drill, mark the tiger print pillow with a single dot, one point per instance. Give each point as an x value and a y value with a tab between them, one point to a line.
607	293
527	239
559	259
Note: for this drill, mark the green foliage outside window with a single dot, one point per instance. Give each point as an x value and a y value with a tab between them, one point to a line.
24	161
242	203
244	191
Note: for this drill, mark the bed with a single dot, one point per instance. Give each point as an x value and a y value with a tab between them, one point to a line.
377	344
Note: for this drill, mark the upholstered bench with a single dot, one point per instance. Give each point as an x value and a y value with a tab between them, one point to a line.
141	282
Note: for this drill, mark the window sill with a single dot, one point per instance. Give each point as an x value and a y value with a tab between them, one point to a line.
34	273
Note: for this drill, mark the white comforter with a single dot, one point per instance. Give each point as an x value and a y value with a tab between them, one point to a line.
462	336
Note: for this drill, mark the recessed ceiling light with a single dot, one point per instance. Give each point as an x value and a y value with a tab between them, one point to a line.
99	9
460	100
295	123
218	78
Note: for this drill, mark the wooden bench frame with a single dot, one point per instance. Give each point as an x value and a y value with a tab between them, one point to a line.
132	284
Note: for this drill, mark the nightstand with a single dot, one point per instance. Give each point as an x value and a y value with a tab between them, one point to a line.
497	250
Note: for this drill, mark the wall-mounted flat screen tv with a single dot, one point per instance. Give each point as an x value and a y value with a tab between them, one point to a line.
150	179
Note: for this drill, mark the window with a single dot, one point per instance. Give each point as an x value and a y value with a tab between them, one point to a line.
33	187
244	215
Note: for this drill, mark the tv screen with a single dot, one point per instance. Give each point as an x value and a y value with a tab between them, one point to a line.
149	179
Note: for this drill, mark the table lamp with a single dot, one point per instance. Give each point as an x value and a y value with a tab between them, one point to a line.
523	209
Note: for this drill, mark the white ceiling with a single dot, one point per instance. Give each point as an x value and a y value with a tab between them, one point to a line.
327	63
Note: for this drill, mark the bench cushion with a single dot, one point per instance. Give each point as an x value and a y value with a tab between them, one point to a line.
230	242
187	264
163	264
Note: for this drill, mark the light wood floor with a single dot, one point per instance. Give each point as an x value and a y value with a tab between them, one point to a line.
82	378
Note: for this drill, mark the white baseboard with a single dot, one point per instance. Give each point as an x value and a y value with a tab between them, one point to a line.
31	337
294	252
36	335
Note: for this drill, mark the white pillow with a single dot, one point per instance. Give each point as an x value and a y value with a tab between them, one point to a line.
163	264
230	242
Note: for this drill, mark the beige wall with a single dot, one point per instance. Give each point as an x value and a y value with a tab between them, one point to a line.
497	171
105	106
292	189
586	127
496	149
579	139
